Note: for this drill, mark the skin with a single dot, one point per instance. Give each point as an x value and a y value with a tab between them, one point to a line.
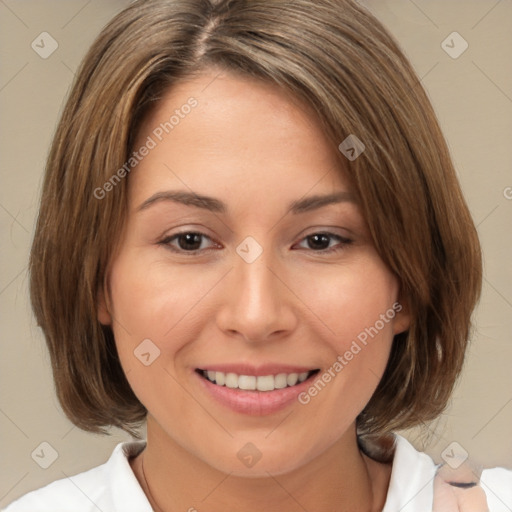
449	497
249	145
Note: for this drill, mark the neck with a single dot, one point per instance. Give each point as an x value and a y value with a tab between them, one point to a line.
341	479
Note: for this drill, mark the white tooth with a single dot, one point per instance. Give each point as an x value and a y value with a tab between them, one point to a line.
265	383
292	379
250	382
247	382
303	376
220	378
231	380
280	381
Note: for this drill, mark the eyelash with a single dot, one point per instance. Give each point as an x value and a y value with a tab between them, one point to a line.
343	242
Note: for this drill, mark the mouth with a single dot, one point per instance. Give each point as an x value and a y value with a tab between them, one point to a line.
255	390
261	383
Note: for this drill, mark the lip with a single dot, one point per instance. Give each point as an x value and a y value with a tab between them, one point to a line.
255	403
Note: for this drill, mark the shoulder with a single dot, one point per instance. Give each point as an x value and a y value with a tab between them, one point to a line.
411	487
497	484
110	487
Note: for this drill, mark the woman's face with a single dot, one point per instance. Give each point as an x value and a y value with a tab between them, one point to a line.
246	267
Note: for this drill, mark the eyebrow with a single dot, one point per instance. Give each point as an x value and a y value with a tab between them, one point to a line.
186	198
307	204
215	205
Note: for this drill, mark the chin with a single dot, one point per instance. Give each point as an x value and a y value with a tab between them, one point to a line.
269	465
260	459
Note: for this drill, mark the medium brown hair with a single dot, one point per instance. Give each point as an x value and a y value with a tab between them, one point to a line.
334	56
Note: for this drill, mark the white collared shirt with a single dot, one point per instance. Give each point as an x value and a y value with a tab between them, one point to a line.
113	487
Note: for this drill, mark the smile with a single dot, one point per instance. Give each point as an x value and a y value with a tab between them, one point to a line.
256	383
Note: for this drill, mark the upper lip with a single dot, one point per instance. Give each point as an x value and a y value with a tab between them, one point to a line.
257	371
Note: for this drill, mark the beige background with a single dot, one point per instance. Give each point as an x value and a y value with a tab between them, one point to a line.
473	98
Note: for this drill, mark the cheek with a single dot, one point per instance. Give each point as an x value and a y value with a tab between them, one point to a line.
157	311
353	303
357	310
153	299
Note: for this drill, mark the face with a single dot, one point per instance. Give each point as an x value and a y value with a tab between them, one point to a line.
251	312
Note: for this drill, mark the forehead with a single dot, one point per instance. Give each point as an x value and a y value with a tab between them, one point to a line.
222	131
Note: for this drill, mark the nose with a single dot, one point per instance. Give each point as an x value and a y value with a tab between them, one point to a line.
257	304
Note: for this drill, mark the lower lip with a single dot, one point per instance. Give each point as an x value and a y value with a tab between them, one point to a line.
255	403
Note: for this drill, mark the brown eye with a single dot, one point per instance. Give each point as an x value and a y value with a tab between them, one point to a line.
318	241
188	241
324	242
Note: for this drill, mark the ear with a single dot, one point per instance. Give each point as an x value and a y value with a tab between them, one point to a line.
103	310
402	320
